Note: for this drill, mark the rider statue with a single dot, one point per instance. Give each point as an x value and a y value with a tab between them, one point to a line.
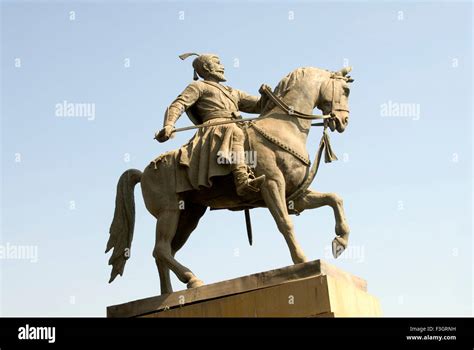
207	101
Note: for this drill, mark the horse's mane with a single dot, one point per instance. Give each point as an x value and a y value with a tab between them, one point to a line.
288	82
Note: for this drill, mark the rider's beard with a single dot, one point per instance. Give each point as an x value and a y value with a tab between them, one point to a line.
218	76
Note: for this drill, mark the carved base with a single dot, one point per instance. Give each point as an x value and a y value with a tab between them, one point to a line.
313	289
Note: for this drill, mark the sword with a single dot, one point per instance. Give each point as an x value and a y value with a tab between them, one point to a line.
199	126
214	124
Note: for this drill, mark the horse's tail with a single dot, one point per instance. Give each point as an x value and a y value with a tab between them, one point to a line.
121	229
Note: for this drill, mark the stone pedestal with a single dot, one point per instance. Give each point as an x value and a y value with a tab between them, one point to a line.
313	289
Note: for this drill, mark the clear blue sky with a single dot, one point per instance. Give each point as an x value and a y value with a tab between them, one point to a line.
406	181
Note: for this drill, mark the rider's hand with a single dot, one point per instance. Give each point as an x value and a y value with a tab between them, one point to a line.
164	134
261	91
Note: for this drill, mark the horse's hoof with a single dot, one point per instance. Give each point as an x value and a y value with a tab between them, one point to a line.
338	247
194	283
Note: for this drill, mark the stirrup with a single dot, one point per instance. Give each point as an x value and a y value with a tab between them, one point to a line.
255	183
249	186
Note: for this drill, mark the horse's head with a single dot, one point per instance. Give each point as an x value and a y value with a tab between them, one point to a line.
334	99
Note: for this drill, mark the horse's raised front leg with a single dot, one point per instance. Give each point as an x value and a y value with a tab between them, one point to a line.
273	193
312	199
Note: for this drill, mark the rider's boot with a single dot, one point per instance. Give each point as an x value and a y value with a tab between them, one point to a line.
245	181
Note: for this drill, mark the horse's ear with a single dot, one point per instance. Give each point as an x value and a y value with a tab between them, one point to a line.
344	71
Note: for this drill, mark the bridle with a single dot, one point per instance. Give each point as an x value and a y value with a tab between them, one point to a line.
325	117
335	105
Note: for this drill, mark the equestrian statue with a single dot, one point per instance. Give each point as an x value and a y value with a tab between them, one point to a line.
213	169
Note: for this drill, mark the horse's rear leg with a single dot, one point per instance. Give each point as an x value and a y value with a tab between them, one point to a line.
188	221
166	227
273	193
312	199
165	279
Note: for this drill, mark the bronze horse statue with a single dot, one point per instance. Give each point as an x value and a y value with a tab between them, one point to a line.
278	137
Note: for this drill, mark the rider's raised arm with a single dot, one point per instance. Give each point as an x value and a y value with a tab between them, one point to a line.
249	103
186	99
